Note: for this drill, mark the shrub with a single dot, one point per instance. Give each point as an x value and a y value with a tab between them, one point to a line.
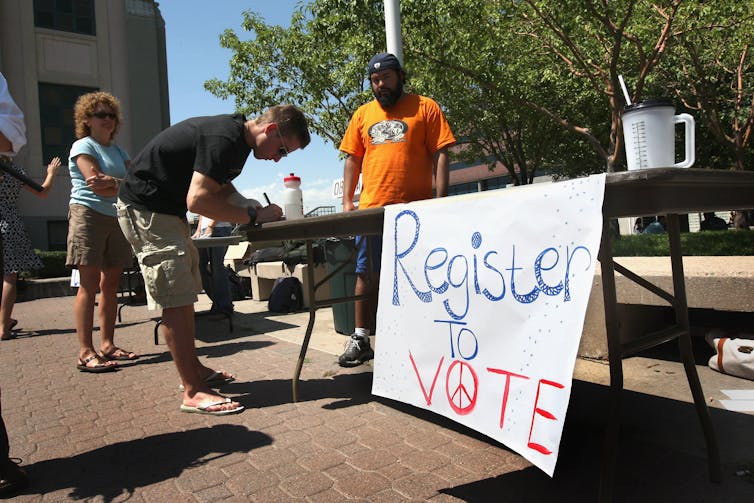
54	265
710	243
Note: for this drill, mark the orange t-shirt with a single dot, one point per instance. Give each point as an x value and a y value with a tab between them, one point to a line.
397	147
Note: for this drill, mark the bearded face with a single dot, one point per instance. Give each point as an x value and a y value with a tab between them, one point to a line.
387	87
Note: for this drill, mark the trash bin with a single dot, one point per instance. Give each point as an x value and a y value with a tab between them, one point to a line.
342	284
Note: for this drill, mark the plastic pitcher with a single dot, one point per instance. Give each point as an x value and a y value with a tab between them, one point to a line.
649	133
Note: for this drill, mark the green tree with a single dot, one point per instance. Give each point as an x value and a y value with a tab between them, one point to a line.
462	53
528	85
592	43
711	71
317	63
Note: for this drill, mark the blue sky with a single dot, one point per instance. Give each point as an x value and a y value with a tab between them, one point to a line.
192	30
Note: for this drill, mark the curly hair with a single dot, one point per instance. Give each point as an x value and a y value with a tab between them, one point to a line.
85	107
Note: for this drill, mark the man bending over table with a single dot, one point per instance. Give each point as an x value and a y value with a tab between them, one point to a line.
190	166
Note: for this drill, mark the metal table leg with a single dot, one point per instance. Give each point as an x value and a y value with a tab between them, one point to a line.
687	355
314	304
616	352
615	355
311	288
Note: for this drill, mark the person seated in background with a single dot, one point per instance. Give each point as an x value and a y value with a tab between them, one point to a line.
656	227
638	226
712	222
740	220
211	265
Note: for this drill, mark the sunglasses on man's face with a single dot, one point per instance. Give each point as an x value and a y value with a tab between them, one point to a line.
104	115
283	150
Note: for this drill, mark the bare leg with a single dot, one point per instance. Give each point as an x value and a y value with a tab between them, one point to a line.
7	303
108	308
365	310
178	330
83	308
373	304
361	307
83	312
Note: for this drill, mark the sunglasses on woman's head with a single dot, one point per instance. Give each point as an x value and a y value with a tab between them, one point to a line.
104	115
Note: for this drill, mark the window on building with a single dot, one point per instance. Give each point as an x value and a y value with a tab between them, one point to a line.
57	234
462	188
499	182
56	118
76	16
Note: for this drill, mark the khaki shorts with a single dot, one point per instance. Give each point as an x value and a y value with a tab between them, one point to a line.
95	239
169	260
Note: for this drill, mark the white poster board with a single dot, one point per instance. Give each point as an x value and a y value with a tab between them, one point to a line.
481	306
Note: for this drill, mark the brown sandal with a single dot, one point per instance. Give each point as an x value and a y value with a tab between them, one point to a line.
9	334
120	354
101	366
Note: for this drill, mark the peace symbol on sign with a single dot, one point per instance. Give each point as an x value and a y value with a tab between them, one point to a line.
465	384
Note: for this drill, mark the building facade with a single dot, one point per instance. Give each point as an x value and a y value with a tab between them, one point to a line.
51	52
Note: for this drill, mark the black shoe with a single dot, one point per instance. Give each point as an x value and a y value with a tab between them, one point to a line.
357	352
12	478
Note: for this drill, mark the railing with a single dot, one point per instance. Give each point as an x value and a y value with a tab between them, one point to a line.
321	210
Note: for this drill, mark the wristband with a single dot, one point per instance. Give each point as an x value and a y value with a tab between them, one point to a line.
252	215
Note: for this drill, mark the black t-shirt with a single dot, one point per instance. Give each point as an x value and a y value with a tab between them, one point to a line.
159	176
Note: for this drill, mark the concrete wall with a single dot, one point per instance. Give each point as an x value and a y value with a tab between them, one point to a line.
724	284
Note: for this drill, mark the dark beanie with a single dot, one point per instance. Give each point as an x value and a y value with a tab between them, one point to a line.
383	61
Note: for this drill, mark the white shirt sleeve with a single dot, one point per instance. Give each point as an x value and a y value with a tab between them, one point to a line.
12	123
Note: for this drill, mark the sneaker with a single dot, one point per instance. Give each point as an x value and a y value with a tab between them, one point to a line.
12	478
357	352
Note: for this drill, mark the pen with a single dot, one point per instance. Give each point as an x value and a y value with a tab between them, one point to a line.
267	198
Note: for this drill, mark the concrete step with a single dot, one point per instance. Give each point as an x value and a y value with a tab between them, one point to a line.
716	284
31	289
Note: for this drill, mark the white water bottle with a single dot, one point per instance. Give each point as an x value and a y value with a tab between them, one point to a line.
294	200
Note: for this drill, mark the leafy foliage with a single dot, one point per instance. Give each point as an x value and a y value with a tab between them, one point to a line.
529	86
711	72
709	243
53	265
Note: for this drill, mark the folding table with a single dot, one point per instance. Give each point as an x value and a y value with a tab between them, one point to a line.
663	191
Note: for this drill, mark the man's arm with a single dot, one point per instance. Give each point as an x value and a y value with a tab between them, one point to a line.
351	172
198	232
5	144
442	172
209	198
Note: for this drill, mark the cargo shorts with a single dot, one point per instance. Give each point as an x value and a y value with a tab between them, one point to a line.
168	259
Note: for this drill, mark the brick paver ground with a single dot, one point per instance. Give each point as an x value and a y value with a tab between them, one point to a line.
120	436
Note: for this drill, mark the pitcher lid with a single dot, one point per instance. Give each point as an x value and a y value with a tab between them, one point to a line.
648	103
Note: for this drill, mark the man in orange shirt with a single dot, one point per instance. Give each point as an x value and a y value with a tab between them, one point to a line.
398	142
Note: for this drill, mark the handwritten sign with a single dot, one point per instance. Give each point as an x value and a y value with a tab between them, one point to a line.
481	307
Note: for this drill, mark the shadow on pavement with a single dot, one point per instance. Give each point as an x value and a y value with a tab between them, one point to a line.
346	389
118	469
661	457
244	324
